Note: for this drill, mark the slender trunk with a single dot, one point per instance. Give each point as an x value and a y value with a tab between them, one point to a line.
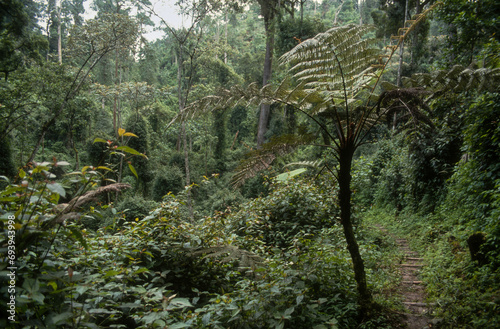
344	179
186	163
401	50
360	5
59	41
180	95
234	140
48	39
225	40
268	63
301	14
217	39
337	12
115	101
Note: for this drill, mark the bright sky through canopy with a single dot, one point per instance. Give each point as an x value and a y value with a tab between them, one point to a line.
166	9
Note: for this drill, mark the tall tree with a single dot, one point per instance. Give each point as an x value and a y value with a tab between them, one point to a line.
187	41
472	26
89	44
269	9
20	39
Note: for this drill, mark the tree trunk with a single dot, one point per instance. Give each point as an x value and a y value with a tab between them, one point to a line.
268	63
59	39
401	50
344	179
182	102
225	39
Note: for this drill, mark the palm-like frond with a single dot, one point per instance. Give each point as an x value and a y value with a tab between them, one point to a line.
457	79
314	164
261	159
406	108
337	58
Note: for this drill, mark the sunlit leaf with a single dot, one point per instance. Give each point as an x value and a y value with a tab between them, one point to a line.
57	188
130	150
121	131
62	163
100	140
179	303
104	168
111	273
132	169
288	175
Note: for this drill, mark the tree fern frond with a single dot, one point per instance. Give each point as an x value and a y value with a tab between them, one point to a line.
409	27
261	159
316	61
457	79
408	104
313	164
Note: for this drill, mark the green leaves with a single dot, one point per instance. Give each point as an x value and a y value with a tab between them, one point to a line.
287	175
57	188
129	150
331	60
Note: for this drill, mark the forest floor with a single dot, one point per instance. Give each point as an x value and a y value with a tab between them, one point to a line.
417	314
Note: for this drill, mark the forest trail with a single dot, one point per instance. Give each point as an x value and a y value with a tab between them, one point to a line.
411	289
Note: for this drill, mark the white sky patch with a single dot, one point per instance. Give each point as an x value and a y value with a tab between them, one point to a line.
164	8
169	13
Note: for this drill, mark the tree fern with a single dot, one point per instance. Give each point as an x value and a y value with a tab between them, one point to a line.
330	71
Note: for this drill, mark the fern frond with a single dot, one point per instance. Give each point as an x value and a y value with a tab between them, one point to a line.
261	159
314	164
458	79
408	105
403	33
330	59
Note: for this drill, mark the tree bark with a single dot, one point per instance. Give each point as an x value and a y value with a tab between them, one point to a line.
344	179
268	63
59	39
401	50
182	102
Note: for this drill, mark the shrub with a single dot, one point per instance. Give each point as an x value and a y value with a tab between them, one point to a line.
291	207
169	179
135	206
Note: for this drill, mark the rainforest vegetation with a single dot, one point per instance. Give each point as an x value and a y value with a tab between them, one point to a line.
250	165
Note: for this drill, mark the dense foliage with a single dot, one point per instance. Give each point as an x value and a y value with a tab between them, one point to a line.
122	207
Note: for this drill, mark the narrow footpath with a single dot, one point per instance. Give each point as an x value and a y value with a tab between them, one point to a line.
412	290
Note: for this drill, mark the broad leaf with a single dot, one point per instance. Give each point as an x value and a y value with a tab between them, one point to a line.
287	175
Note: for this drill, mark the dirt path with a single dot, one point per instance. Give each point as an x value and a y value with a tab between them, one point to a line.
412	290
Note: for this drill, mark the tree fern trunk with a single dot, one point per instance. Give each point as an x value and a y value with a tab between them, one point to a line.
344	179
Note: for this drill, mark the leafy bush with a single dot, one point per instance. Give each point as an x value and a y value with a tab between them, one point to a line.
169	179
291	207
36	243
134	206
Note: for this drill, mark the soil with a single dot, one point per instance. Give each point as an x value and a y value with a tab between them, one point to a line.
418	313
